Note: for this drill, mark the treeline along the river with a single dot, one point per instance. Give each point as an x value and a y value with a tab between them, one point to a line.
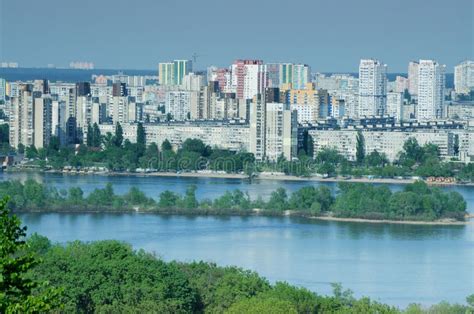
417	202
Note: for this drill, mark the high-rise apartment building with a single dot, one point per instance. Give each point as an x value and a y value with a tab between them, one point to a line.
291	75
181	68
413	68
372	88
42	124
395	105
179	104
166	73
3	89
248	78
463	77
273	130
308	103
21	117
172	73
431	83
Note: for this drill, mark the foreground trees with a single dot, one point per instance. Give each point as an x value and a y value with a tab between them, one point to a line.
110	277
19	292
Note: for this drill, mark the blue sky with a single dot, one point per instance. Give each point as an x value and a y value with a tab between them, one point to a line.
330	35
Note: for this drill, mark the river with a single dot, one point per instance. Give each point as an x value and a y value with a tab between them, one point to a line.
395	264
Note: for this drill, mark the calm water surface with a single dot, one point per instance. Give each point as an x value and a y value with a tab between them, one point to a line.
396	264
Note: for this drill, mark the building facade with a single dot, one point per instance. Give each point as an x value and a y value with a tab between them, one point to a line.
372	88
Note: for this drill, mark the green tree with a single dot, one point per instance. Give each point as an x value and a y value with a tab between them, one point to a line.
141	137
19	293
360	148
31	152
118	138
166	145
96	137
89	136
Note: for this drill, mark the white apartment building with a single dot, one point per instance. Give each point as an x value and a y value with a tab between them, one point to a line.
223	135
3	89
254	80
372	88
42	121
21	119
389	142
431	83
464	77
179	103
395	105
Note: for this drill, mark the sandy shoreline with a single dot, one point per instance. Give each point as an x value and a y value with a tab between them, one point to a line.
275	177
399	222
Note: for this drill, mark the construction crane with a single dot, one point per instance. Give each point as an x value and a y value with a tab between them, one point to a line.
195	56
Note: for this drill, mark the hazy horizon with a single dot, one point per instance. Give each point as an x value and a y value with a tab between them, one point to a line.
329	36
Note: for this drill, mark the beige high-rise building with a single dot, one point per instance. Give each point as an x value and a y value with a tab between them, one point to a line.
21	117
273	130
42	112
413	69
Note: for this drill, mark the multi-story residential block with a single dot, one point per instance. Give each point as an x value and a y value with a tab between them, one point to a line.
248	78
42	124
463	77
298	75
3	89
413	69
401	84
395	105
59	120
372	88
273	130
388	141
231	135
172	73
192	82
179	104
21	119
309	103
166	73
431	84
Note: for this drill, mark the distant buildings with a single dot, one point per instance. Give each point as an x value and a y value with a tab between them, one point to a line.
310	104
431	83
372	88
253	106
3	89
464	77
248	78
81	65
172	73
395	105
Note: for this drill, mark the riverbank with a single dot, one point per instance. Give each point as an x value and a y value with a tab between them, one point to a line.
246	213
239	176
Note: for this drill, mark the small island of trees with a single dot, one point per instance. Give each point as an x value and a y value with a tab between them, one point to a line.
416	202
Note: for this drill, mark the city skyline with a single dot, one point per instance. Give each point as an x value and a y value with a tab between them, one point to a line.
142	37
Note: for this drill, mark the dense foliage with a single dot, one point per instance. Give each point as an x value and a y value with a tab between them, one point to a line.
109	277
19	292
417	201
